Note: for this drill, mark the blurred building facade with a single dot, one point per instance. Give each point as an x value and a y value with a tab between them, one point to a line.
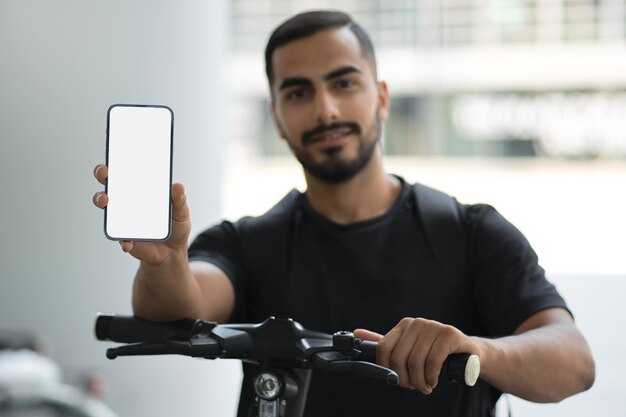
501	78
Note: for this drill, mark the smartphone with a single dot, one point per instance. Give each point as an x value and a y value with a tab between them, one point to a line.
139	141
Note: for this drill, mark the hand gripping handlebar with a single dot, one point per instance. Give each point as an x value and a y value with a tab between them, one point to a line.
276	342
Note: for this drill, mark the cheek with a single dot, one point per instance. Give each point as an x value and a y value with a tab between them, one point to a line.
290	125
362	108
364	115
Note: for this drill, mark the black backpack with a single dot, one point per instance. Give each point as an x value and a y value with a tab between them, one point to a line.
440	216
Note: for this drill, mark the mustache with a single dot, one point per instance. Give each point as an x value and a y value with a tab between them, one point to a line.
307	137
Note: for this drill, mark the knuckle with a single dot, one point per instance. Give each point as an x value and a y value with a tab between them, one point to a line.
383	347
414	362
419	323
448	331
396	362
432	363
407	321
451	329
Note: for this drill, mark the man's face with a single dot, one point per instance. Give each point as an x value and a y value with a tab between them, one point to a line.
327	103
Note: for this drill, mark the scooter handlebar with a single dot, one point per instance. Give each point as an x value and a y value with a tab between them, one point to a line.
210	340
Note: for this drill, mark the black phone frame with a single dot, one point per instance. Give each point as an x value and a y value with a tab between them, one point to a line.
171	168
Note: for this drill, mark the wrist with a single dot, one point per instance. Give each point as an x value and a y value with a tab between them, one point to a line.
490	353
175	258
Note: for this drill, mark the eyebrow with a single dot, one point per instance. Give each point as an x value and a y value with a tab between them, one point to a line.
293	81
341	71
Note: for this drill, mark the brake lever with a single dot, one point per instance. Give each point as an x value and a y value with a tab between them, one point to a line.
199	346
337	362
150	348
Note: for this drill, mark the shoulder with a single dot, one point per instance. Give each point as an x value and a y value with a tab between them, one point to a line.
481	223
472	216
496	245
248	237
274	220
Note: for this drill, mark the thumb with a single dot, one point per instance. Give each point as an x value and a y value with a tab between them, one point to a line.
180	209
367	335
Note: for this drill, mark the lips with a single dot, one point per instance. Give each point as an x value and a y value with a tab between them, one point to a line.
330	135
334	132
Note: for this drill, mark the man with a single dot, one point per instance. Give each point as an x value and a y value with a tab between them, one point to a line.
350	253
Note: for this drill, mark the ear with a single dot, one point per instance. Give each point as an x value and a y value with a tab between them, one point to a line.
383	101
279	128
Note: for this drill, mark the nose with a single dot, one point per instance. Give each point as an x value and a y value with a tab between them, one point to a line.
325	109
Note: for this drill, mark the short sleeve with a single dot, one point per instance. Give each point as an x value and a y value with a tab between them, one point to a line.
509	285
219	245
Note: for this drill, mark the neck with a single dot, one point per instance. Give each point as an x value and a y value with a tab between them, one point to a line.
368	194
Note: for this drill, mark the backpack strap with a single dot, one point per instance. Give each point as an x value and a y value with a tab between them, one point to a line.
440	217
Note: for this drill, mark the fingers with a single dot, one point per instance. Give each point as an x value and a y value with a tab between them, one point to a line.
442	347
417	348
367	335
101	172
100	199
408	355
419	355
386	348
180	209
126	245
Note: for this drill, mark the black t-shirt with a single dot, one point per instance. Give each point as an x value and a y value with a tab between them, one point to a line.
292	262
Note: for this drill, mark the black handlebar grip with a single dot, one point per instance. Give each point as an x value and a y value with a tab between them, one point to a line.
368	351
461	368
130	329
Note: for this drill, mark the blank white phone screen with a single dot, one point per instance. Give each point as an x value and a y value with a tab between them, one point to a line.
139	158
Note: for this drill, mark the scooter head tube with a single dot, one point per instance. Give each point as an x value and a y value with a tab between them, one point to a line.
277	342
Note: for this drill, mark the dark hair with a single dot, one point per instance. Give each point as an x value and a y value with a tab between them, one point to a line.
308	23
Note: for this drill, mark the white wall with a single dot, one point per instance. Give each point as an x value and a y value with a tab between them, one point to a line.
62	63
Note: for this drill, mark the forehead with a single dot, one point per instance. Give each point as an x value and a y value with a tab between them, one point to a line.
316	55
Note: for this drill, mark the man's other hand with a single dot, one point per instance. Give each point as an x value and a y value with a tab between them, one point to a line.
416	349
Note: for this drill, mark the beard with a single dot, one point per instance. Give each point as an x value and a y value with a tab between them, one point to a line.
335	169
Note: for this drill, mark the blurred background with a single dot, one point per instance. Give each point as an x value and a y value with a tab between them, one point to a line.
518	103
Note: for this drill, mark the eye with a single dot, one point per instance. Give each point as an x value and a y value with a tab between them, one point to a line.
296	94
344	84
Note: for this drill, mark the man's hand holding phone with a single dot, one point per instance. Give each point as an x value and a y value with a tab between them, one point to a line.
154	252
